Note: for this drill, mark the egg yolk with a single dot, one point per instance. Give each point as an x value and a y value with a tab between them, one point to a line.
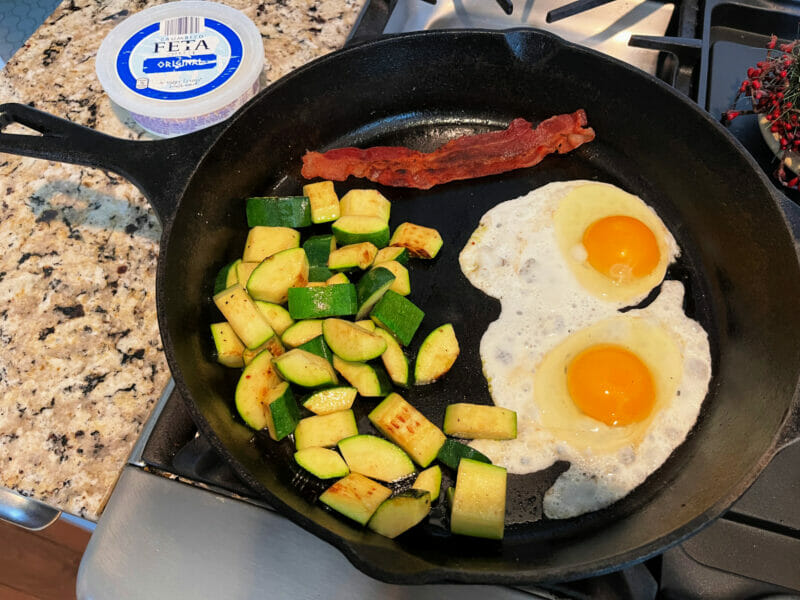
621	248
611	384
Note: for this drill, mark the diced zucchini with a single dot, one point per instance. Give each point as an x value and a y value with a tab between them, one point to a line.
325	430
371	381
353	256
400	513
229	348
397	315
312	284
301	332
330	400
356	229
480	422
371	288
278	317
479	501
395	253
226	276
318	247
288	211
408	428
263	242
337	279
402	282
243	272
429	480
274	276
375	457
367	324
369	203
284	411
273	344
436	355
317	346
449	494
322	462
324	201
422	242
325	301
242	313
394	359
351	342
305	369
252	391
356	497
452	452
318	273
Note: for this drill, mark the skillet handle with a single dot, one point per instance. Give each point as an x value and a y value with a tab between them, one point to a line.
159	168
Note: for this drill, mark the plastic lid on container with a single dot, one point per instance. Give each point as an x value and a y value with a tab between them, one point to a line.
181	59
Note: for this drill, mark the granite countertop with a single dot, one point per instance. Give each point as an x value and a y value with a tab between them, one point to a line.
82	363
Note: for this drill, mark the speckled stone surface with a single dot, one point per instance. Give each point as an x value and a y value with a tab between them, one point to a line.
82	365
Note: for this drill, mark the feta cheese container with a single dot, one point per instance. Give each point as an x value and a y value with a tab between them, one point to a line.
182	66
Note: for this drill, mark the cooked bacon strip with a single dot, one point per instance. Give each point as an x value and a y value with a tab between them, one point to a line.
462	158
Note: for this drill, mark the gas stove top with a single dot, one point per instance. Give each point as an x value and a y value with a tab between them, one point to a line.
186	501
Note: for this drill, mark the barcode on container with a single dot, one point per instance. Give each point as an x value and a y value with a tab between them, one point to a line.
181	26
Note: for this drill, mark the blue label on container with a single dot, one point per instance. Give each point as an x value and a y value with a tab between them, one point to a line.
179	58
179	63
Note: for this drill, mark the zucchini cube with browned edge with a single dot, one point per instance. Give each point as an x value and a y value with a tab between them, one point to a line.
370	380
375	457
241	312
352	342
402	281
252	391
324	201
227	345
422	242
408	428
436	355
356	497
397	315
400	513
324	301
263	242
322	462
325	431
479	500
480	422
352	256
275	211
273	344
274	276
305	369
367	203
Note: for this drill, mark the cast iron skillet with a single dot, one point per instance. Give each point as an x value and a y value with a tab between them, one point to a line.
739	264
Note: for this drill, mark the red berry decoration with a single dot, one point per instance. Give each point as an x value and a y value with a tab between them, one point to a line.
773	88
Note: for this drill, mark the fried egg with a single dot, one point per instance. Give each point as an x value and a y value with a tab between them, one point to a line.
613	393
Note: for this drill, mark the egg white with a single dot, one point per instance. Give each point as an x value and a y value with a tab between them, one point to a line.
514	255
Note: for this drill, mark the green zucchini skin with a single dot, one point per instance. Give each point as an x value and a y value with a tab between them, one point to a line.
452	452
319	273
327	301
226	276
319	347
318	248
285	413
272	211
371	288
398	315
